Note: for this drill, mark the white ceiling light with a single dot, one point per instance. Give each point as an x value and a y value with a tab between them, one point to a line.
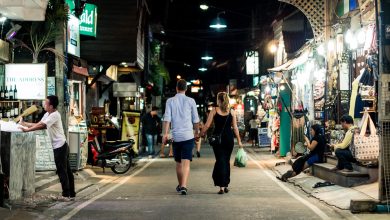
204	7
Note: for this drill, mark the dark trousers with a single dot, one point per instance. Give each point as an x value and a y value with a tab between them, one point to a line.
344	157
61	158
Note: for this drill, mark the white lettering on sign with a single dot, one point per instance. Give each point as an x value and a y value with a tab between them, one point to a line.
87	17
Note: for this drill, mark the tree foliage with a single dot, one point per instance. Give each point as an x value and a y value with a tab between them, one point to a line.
158	70
42	33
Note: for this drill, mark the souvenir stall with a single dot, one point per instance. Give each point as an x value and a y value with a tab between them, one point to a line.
352	80
268	112
237	105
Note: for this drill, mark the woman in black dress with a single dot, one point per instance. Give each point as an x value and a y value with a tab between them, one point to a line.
316	146
224	119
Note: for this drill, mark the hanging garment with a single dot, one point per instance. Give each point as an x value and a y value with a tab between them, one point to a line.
359	107
367	78
354	93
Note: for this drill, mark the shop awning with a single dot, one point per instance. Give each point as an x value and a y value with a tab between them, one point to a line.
80	70
294	62
282	67
27	10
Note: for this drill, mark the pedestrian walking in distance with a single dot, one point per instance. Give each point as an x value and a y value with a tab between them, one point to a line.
182	115
224	119
51	121
151	124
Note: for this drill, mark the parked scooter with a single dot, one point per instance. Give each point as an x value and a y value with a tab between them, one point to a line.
116	155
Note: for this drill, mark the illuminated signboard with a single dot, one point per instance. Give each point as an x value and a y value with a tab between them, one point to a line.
29	79
88	19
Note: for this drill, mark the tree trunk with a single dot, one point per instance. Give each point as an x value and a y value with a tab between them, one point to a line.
60	87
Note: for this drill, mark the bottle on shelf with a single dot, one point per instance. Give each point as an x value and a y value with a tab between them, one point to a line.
10	93
8	111
16	109
6	95
1	93
15	93
12	110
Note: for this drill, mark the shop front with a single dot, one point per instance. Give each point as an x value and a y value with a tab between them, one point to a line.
23	153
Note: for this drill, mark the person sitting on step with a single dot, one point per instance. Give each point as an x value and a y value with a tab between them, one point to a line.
316	155
342	151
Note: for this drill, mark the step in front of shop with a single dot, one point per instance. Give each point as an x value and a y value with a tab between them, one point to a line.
345	179
44	180
373	172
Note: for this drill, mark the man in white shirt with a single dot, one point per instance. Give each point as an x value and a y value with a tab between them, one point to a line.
52	122
182	115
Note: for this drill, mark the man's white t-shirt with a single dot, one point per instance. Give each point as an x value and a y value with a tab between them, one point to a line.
54	127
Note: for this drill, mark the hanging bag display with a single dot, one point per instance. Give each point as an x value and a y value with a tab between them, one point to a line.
216	139
366	148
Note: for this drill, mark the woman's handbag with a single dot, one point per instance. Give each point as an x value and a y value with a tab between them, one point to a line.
366	148
216	139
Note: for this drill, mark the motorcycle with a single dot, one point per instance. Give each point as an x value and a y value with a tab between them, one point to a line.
117	155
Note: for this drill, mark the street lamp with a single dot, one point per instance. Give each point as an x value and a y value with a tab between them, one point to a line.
204	7
218	23
202	69
206	57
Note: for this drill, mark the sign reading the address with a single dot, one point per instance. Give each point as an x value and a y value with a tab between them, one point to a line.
29	79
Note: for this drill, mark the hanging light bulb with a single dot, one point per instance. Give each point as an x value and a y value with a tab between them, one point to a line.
353	44
331	45
361	36
349	36
321	49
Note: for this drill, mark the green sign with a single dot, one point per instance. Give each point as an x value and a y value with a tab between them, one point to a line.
88	19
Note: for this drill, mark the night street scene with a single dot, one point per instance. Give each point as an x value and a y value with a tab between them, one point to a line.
194	109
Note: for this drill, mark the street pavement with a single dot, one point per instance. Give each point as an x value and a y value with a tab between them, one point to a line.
147	191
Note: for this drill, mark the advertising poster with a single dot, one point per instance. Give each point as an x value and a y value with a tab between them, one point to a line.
130	128
30	80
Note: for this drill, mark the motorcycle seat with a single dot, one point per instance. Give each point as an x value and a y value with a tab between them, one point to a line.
117	144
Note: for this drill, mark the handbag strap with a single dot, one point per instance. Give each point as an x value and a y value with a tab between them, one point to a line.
223	128
367	119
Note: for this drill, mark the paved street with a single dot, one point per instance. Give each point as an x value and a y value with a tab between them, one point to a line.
148	192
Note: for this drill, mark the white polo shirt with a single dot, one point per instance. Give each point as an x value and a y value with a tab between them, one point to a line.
54	127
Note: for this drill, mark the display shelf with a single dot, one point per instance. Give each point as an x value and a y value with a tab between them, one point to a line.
368	111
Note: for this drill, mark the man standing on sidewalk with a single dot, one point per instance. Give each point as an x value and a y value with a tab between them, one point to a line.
150	123
181	112
52	122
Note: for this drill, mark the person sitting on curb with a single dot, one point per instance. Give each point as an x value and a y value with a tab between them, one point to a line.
342	151
316	155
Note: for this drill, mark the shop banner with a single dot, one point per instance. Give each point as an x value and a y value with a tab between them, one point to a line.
73	36
130	128
345	6
29	79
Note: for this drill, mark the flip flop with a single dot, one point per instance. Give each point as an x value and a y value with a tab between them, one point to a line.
322	184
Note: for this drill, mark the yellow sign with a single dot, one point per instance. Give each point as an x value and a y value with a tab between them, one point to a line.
130	128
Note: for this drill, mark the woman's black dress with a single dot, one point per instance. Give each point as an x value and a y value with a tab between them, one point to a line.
221	172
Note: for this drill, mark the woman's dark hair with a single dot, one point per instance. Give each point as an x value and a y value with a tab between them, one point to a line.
347	119
181	85
53	100
317	129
